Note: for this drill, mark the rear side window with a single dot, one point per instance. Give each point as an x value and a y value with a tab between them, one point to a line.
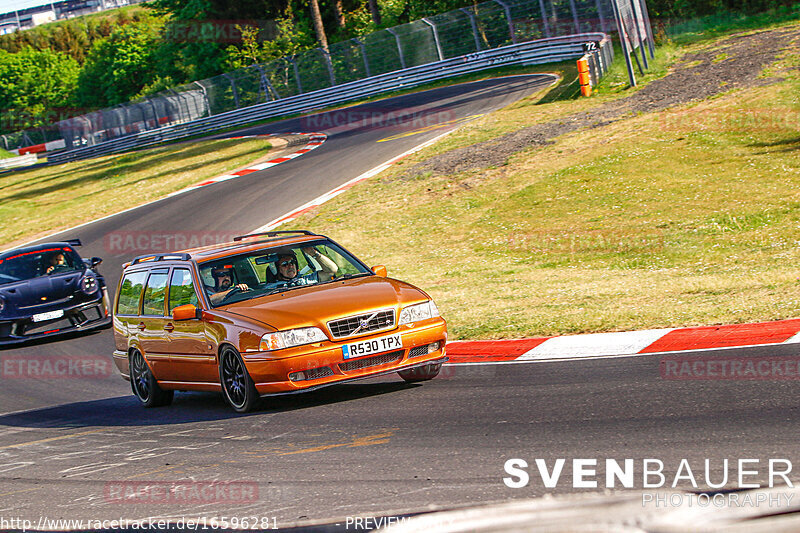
130	292
155	293
181	289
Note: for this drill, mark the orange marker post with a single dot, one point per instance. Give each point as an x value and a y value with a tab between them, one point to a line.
583	76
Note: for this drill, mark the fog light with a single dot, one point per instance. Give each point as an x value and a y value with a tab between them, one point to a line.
297	376
433	347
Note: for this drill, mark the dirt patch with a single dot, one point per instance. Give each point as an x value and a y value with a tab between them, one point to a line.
736	63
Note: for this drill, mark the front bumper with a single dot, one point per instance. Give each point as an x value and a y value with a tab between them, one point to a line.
325	365
81	317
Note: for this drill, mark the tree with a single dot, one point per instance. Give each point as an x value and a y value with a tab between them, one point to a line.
319	27
375	12
35	84
118	67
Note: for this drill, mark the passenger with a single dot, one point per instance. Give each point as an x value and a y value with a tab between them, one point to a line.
223	284
288	272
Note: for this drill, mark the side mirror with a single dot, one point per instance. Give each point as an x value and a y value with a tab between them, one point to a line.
96	261
186	312
380	270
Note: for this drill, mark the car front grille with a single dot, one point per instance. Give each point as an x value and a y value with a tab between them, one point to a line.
375	360
418	351
364	323
34	328
316	373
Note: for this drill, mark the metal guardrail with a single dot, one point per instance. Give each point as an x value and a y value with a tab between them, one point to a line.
21	161
529	53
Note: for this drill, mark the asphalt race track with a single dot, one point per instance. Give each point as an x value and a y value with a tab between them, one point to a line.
70	447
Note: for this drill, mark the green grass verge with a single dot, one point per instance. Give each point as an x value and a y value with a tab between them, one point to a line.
684	217
40	201
5	154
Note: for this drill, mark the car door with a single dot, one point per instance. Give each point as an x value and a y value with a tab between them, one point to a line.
191	355
152	322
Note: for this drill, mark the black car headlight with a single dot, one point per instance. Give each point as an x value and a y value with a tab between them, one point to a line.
89	285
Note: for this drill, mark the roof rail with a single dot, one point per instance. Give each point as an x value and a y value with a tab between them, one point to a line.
73	242
272	234
160	257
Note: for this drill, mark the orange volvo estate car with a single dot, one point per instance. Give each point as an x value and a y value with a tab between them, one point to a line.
267	314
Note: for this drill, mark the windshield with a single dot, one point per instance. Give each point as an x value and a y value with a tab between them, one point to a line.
268	271
35	263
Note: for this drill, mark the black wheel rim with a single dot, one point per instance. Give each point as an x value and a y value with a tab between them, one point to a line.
140	375
233	376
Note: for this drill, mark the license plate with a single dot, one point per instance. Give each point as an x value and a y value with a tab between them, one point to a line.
41	317
371	346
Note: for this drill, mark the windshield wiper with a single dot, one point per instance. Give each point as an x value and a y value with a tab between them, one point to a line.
350	276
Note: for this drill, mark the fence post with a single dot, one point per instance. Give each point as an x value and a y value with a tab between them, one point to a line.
399	48
623	37
544	19
651	45
326	56
296	75
511	30
205	96
435	37
233	87
364	55
264	85
472	23
640	37
5	141
156	124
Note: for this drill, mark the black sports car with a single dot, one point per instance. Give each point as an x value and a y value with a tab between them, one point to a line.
48	289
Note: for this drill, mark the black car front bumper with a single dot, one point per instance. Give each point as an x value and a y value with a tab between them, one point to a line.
81	317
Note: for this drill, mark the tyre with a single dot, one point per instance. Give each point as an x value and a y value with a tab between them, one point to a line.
237	386
144	384
421	373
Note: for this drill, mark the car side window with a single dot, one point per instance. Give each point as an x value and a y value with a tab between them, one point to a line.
155	293
181	289
130	292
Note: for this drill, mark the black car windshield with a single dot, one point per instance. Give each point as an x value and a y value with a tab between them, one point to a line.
29	264
272	270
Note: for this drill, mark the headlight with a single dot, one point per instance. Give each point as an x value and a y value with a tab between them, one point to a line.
2	305
291	337
418	312
89	285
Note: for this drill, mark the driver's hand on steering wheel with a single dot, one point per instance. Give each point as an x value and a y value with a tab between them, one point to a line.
242	287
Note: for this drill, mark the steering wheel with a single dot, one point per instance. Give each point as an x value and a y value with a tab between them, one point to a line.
234	290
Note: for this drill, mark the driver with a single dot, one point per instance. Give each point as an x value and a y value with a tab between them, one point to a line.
223	284
288	273
57	262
